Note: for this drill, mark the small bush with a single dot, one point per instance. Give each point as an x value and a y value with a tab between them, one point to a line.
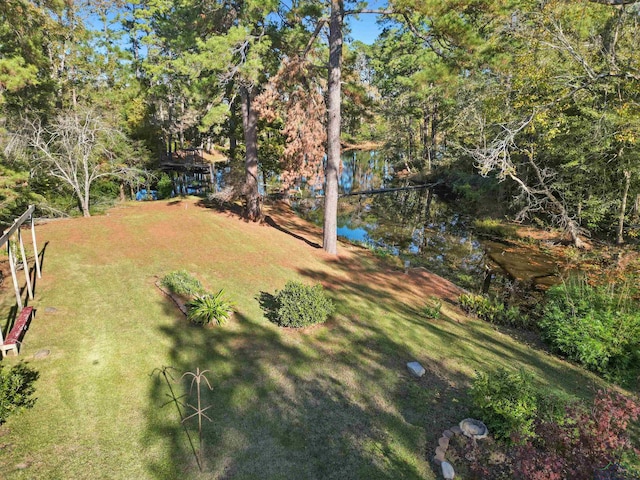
300	305
506	402
590	443
16	389
594	326
165	186
432	308
494	311
182	282
208	307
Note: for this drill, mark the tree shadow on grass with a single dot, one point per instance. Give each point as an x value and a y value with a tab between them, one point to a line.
277	221
272	223
335	402
232	209
326	404
484	347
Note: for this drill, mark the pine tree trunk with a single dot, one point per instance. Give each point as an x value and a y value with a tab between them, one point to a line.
252	208
330	236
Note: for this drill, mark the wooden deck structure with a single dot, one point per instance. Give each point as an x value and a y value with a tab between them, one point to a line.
191	165
12	238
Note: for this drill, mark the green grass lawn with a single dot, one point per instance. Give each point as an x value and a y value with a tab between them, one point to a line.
332	402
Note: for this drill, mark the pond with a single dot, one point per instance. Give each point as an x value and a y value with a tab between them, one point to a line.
422	228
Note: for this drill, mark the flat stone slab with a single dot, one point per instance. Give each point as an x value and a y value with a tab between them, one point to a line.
443	442
41	354
50	310
456	430
416	369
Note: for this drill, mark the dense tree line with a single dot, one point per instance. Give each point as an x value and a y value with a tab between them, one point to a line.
540	95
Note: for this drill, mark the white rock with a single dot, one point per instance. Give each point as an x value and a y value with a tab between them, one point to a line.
447	470
416	369
474	428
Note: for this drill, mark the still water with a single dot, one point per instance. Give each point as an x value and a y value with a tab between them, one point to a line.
414	224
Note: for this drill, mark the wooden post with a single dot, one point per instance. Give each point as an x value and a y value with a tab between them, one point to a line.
25	265
35	248
13	275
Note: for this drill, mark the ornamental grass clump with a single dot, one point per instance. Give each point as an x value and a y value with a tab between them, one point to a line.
182	282
299	305
204	309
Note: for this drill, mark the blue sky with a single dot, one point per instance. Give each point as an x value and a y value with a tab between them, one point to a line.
365	28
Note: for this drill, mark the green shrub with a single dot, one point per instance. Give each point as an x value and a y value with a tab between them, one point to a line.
432	308
16	389
204	309
597	327
165	186
182	282
494	311
300	305
506	402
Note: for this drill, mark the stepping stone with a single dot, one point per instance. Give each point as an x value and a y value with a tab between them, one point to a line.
41	354
443	442
456	430
448	434
416	369
50	310
440	453
447	470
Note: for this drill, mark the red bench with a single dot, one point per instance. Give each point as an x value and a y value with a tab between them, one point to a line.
20	325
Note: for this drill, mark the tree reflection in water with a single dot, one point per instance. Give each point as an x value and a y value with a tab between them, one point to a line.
416	224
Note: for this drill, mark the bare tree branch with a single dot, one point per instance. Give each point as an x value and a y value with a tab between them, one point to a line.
76	147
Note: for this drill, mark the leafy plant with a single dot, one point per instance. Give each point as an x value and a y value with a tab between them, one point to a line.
494	311
598	327
182	282
16	389
432	308
204	309
165	186
506	401
588	443
300	305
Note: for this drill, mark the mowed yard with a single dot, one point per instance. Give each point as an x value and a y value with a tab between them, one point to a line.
331	402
